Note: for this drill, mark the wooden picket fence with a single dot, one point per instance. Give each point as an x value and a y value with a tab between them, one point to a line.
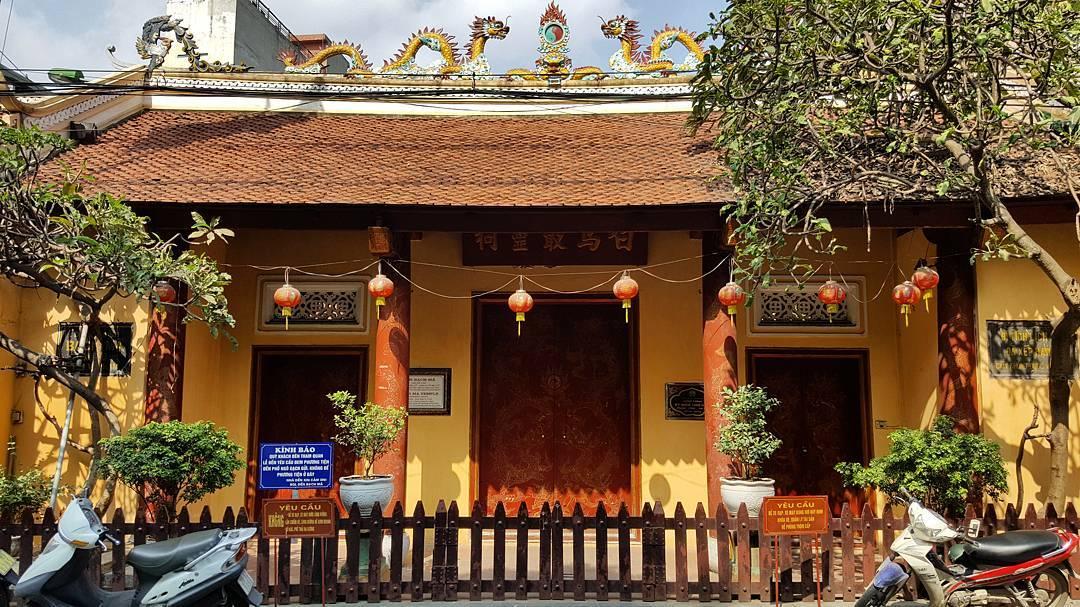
648	557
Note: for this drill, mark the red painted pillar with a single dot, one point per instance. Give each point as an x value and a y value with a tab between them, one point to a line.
720	355
165	362
392	364
958	395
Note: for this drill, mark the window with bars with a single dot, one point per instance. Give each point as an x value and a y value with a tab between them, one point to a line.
787	307
116	340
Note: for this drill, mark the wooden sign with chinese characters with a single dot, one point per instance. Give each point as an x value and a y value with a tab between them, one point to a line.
554	248
796	515
315	517
1019	348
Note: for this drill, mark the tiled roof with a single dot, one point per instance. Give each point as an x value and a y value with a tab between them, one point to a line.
569	160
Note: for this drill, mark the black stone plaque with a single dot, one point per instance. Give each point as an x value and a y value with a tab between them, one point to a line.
1019	348
684	400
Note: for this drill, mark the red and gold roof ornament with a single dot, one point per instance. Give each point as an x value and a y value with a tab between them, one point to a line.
732	296
520	302
164	291
926	278
287	297
906	295
626	289
832	294
380	287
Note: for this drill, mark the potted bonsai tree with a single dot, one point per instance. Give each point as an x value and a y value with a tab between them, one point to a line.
369	432
747	441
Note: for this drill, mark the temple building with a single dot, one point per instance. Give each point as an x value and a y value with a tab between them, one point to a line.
463	185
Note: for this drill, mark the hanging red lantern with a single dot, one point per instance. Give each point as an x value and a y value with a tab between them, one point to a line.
732	296
832	294
906	295
926	278
626	289
287	297
380	288
164	291
520	303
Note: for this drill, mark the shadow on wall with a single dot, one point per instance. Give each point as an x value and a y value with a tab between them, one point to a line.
1004	423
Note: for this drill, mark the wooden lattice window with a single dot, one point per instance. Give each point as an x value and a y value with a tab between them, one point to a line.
325	305
786	307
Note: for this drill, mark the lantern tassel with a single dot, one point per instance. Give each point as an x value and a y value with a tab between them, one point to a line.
626	308
286	312
926	297
520	320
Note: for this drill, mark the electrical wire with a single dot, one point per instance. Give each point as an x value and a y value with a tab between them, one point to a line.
3	46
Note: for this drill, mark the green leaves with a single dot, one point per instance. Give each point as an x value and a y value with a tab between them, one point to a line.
944	466
745	437
17	493
369	430
816	103
172	463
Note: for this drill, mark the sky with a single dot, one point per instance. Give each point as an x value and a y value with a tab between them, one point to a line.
43	34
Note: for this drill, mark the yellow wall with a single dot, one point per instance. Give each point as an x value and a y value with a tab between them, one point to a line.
672	464
1017	290
218	378
37	439
9	325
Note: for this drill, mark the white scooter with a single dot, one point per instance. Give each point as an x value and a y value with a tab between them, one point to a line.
205	568
1013	569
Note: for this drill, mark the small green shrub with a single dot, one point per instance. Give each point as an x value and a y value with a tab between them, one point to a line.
369	430
17	493
746	438
941	465
173	463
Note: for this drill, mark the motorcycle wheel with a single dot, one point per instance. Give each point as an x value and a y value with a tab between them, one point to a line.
1058	593
872	597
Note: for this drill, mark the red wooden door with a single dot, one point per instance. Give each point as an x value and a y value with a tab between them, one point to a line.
555	406
291	405
821	419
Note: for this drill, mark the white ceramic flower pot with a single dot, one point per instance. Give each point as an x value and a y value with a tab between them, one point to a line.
366	491
736	491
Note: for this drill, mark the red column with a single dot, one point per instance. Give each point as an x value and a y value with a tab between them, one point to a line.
392	365
165	362
720	355
957	337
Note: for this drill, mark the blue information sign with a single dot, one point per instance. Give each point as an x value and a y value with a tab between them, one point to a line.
296	466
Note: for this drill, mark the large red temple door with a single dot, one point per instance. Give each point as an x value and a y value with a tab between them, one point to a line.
290	404
555	406
822	419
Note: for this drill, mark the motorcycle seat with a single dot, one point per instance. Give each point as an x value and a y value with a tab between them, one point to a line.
1011	548
158	558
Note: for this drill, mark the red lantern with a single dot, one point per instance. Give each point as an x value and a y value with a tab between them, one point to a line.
380	288
520	303
626	289
832	295
288	297
926	279
732	296
164	291
906	294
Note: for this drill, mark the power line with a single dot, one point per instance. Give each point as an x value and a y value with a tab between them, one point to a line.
11	6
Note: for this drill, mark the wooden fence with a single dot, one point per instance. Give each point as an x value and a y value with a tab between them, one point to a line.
616	556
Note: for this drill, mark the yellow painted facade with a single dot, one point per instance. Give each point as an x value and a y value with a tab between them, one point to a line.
218	379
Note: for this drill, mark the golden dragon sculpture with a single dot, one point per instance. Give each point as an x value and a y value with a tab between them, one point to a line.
630	61
358	62
475	63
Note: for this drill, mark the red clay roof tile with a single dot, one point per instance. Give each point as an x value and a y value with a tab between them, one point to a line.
570	160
